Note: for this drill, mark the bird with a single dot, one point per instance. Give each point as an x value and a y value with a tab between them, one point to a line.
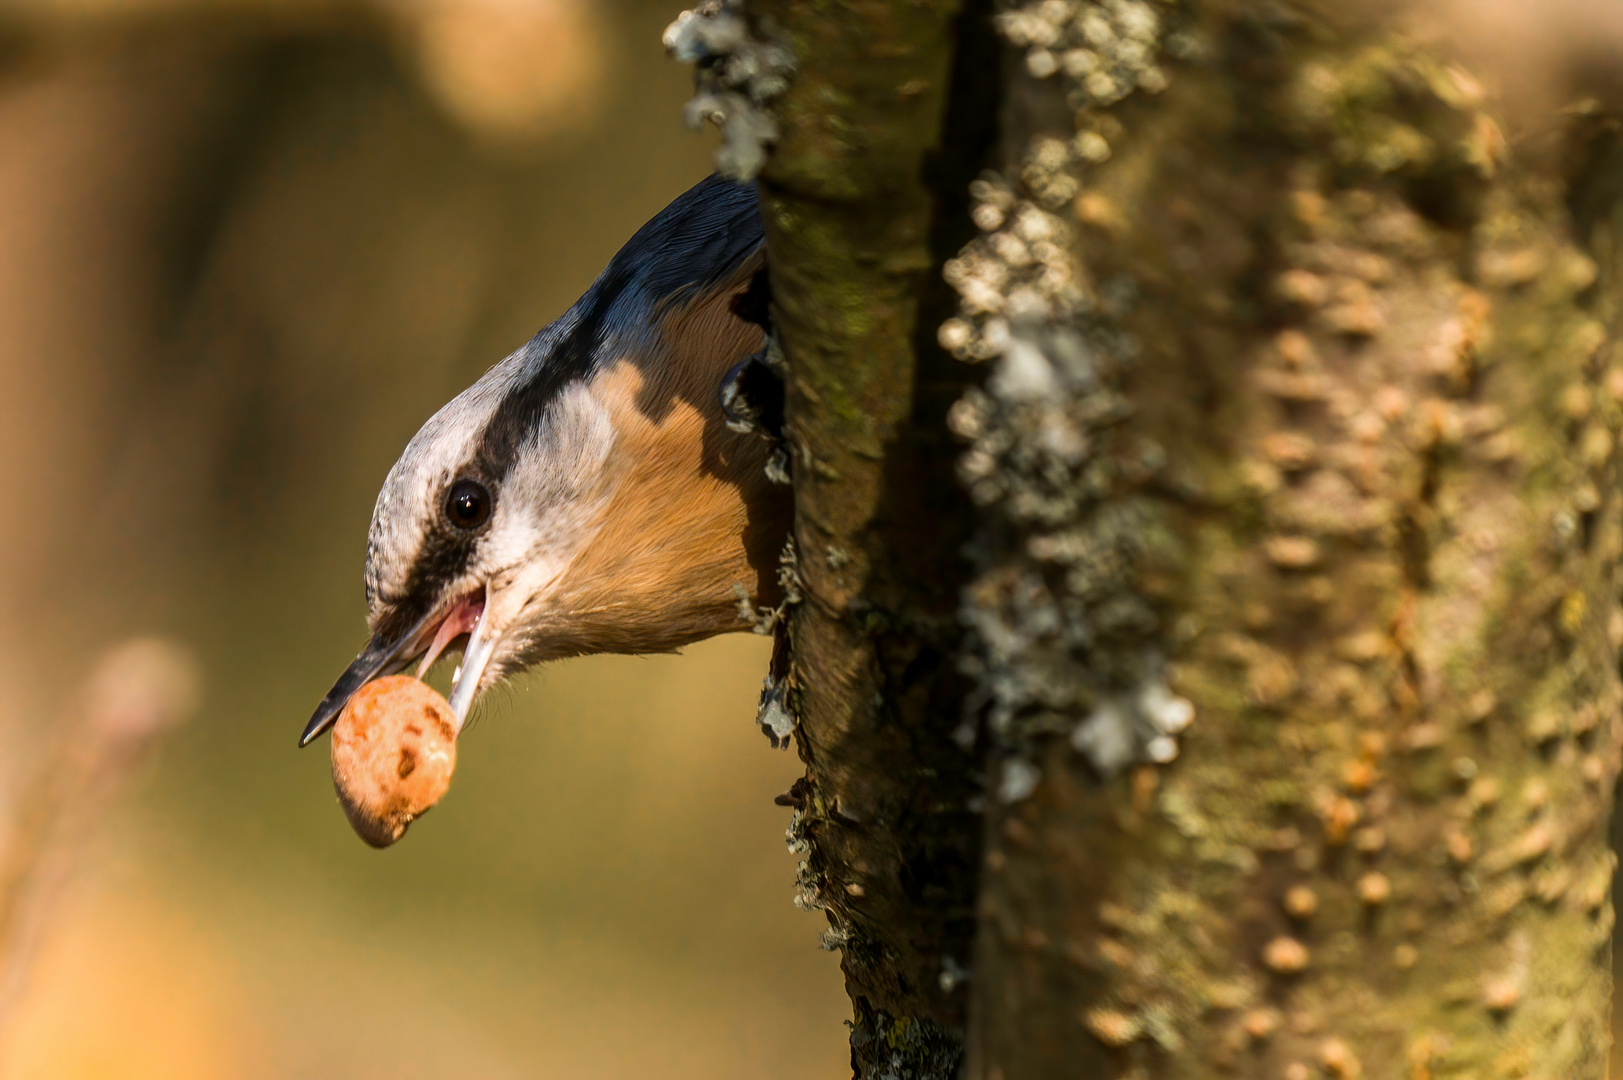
587	494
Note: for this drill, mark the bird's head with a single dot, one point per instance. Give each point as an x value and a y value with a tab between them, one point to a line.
585	495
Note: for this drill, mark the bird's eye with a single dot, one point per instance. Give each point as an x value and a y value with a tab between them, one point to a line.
468	504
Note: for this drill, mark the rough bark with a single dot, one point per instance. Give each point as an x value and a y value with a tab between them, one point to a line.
1340	473
861	205
1302	416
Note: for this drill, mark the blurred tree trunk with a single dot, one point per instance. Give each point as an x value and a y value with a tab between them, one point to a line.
1300	423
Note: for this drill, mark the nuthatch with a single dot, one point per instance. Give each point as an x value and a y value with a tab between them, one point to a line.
586	495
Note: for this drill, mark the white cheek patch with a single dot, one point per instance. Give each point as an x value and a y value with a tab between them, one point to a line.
551	503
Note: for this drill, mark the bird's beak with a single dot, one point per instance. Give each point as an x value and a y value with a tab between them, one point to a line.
427	638
382	656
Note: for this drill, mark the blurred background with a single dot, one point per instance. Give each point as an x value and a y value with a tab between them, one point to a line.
246	248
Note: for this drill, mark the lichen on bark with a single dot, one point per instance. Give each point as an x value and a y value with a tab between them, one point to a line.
1324	435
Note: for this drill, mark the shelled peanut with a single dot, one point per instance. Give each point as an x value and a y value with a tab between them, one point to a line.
393	752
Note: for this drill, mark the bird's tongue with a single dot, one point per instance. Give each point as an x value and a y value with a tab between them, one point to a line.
461	620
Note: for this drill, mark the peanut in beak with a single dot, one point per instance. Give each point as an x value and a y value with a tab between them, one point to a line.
393	752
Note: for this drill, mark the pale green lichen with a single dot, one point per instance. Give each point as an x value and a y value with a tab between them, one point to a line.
736	75
1060	635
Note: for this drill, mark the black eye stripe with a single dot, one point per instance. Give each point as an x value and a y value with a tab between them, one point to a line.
443	557
449	546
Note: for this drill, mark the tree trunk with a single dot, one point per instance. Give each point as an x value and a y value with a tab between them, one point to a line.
863	200
1300	425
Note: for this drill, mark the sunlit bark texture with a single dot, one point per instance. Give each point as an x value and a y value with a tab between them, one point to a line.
1293	620
864	198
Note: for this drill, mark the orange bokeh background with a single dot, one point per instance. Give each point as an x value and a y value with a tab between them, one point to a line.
246	248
